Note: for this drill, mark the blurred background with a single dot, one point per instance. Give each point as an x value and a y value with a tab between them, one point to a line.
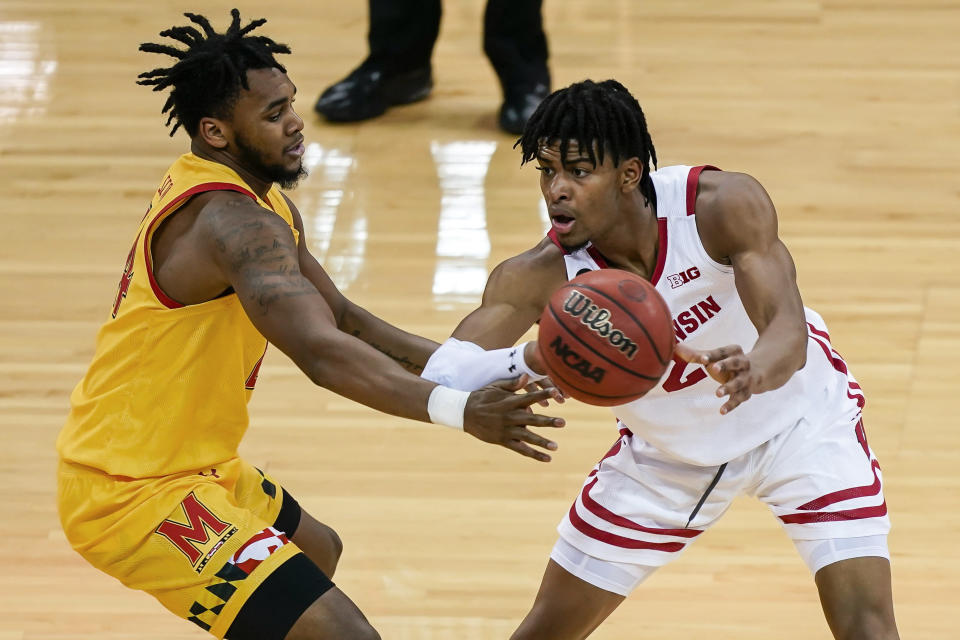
848	112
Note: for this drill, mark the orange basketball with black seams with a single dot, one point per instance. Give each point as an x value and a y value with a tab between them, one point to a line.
606	337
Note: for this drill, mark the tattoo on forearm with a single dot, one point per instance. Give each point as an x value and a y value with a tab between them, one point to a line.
269	265
402	360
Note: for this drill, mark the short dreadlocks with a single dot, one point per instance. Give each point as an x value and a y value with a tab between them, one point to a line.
209	73
601	118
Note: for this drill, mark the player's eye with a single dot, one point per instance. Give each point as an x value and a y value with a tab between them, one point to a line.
544	170
580	173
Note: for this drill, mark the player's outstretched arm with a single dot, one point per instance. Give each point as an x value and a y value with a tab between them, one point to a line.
256	254
738	224
409	350
514	297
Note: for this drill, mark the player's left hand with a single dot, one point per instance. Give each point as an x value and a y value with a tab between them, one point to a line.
729	366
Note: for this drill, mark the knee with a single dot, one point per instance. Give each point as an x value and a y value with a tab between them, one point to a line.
334	541
359	631
364	632
535	626
867	624
320	543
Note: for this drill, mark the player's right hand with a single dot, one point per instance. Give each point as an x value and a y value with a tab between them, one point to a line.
497	415
728	365
532	357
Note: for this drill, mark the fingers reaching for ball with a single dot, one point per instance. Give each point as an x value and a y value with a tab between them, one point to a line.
727	365
495	415
546	384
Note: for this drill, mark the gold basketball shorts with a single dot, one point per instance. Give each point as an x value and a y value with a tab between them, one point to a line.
204	543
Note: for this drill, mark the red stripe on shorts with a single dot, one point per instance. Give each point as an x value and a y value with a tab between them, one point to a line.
619	541
837	362
846	494
603	513
834	516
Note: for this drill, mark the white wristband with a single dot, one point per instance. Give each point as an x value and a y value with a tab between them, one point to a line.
517	358
446	406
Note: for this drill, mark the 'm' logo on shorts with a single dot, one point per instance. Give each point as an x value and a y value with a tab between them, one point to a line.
194	538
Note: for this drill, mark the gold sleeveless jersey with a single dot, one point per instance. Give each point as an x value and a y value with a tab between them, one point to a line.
168	387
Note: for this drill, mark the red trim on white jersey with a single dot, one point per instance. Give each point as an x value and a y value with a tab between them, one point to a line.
854	391
598	257
166	300
661	250
592	250
552	234
693	179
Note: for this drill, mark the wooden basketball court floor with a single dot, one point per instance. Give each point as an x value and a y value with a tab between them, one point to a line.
847	111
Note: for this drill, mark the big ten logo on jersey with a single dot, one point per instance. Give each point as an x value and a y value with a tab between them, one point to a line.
200	536
682	278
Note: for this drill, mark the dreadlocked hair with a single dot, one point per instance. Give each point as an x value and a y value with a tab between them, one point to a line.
210	72
600	117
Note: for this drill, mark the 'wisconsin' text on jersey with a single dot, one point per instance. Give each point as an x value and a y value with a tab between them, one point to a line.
694	317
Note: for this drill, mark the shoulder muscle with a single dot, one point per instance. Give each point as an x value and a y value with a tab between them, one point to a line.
527	279
734	215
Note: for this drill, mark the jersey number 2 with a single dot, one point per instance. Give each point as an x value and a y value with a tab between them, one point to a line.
676	380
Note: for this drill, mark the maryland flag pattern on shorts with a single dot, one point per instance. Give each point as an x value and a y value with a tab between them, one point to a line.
229	579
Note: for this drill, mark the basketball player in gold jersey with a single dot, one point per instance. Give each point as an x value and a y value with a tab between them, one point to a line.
151	490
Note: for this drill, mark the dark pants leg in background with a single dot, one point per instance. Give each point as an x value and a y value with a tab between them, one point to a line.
402	33
515	43
514	40
397	70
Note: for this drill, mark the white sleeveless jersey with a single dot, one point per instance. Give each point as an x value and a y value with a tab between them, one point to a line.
681	415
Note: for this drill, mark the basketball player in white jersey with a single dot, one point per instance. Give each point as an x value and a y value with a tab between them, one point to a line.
756	400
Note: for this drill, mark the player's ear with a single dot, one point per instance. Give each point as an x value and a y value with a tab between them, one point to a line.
211	130
631	170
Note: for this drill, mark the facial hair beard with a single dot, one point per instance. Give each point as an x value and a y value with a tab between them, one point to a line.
251	157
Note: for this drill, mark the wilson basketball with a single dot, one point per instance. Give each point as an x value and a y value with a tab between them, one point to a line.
606	337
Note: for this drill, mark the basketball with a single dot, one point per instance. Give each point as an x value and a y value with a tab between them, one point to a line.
606	337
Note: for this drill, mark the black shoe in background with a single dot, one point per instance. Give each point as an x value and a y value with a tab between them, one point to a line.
368	91
519	105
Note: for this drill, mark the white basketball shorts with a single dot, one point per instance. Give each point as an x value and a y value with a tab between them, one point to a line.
819	478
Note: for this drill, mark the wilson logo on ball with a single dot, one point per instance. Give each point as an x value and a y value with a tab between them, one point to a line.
594	318
576	362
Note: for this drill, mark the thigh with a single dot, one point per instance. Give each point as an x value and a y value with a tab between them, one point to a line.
566	607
